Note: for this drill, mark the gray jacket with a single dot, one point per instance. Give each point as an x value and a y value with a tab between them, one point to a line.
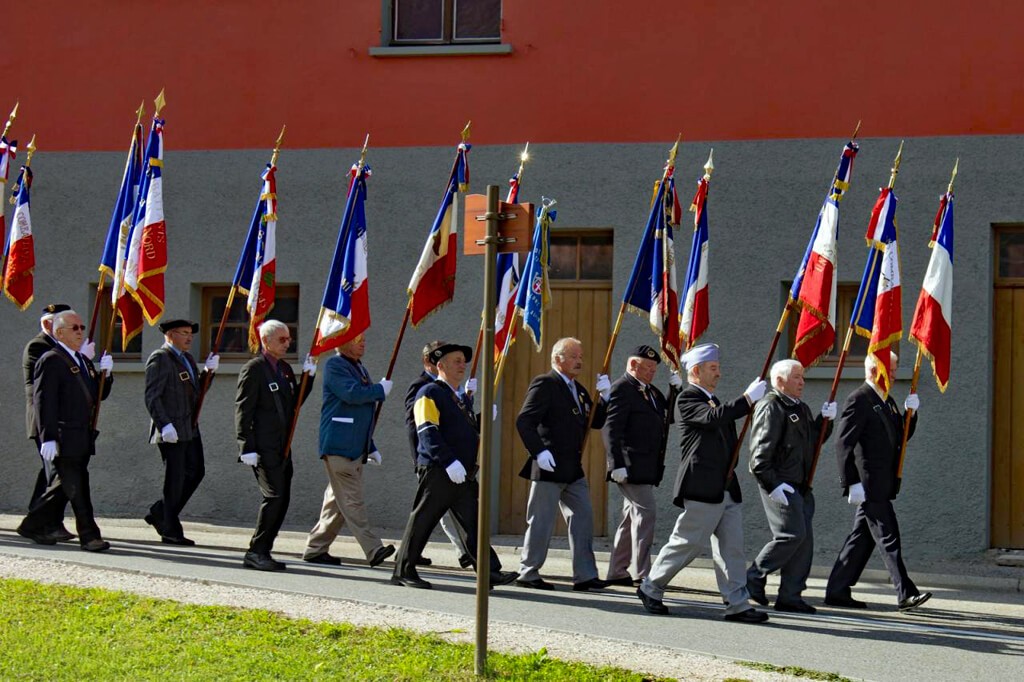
782	441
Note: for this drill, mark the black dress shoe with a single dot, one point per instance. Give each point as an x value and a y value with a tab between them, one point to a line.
592	584
915	601
325	559
620	582
261	562
38	538
466	561
845	602
410	581
62	534
96	545
180	540
503	577
424	561
380	555
794	607
748	616
652	605
538	584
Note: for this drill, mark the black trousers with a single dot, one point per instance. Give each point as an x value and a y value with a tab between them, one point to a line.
43	481
874	524
70	483
275	484
184	469
435	495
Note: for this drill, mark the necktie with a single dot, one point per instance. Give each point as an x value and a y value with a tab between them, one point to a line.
81	363
575	396
649	394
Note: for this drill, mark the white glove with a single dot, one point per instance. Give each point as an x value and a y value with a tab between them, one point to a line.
546	461
88	349
755	391
912	402
106	363
386	385
779	494
250	458
309	366
48	450
856	494
212	363
674	380
471	385
604	386
374	458
494	412
169	434
456	472
619	475
829	410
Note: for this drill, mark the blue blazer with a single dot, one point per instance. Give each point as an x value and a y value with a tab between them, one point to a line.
346	416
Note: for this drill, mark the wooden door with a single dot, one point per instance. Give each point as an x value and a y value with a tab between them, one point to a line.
581	310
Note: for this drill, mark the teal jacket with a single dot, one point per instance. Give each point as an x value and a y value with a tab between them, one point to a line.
346	416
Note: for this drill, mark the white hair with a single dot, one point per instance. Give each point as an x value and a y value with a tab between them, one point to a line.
58	319
47	318
783	369
558	350
871	362
271	327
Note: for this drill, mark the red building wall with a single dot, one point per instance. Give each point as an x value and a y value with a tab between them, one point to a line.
596	71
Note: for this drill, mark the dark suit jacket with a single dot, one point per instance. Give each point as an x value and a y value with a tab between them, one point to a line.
63	397
410	400
783	437
634	431
170	393
868	445
264	407
707	437
34	350
551	420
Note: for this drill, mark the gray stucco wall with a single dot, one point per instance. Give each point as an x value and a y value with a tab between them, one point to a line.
765	196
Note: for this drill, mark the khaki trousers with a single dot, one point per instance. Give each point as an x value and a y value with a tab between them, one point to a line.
343	504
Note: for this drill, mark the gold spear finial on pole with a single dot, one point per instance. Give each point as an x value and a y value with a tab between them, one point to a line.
277	147
140	112
953	177
362	154
524	156
896	166
672	152
709	167
465	131
10	119
159	103
31	151
855	131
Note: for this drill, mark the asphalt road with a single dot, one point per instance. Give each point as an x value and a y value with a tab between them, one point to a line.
959	635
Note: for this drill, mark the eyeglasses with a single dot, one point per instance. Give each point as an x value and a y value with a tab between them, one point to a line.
75	327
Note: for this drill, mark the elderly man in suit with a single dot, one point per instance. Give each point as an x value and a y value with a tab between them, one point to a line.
783	438
552	425
64	393
707	490
264	406
449	439
429	375
173	383
868	452
346	444
635	433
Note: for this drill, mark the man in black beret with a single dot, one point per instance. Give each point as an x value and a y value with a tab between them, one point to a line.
635	433
172	389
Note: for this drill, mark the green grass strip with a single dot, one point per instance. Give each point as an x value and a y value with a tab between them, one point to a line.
55	632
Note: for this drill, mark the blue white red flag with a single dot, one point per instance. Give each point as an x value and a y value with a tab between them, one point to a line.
534	298
814	286
147	242
508	277
345	311
7	153
433	282
651	288
19	259
877	311
932	326
261	284
694	312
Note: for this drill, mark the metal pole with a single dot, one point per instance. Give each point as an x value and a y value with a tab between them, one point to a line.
483	533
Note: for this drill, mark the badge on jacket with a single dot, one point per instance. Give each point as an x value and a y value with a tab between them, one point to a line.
794	418
184	376
273	386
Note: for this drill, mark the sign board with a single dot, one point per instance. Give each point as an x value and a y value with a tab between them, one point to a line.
515	227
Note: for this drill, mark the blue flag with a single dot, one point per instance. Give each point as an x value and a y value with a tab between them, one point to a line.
535	297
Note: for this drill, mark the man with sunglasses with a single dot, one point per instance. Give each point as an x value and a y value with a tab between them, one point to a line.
172	391
64	394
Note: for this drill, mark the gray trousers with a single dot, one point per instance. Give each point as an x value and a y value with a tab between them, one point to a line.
791	548
635	534
720	523
574	501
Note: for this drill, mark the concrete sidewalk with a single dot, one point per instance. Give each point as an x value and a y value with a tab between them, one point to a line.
952	575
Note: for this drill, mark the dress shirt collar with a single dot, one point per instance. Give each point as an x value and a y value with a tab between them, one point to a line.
570	382
703	390
271	360
74	354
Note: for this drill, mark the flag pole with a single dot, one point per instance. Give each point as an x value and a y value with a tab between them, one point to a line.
917	373
849	336
779	329
669	165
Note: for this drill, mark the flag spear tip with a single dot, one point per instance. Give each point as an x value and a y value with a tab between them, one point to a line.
856	130
465	131
525	155
277	146
896	165
675	150
709	167
10	118
362	154
956	167
31	151
159	102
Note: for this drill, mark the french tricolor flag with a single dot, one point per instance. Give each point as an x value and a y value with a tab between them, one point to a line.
887	325
508	277
263	284
694	312
19	257
932	325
